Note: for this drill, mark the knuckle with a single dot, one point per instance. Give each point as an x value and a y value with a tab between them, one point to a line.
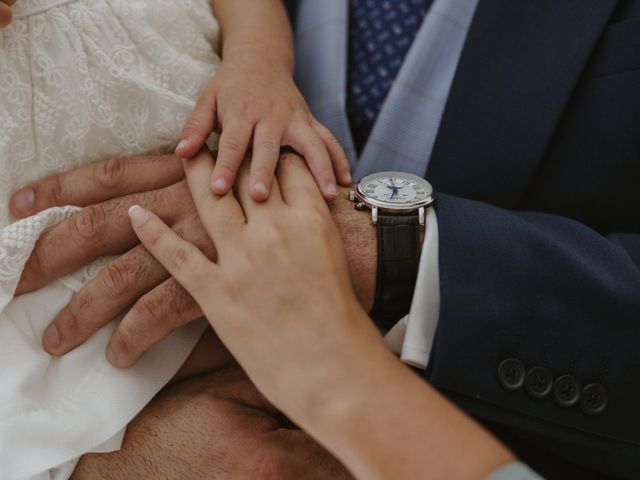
315	142
315	218
149	311
37	261
268	144
182	303
273	236
89	223
122	339
180	258
109	174
69	321
54	190
115	279
193	127
233	144
262	171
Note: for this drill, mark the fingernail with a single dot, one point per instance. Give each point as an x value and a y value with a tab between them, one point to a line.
332	190
260	188
52	337
24	200
220	184
182	144
139	216
112	357
347	178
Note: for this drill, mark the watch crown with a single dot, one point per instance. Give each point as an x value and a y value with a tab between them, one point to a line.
351	196
361	206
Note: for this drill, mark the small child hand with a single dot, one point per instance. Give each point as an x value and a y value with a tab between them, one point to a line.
258	106
5	12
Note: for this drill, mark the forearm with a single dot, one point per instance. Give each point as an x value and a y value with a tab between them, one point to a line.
256	30
383	421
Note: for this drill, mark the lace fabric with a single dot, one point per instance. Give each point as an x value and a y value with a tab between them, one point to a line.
80	81
85	80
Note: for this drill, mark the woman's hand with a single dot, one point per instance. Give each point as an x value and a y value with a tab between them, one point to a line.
5	12
280	299
255	104
280	268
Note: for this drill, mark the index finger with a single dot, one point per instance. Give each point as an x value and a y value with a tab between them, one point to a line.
97	182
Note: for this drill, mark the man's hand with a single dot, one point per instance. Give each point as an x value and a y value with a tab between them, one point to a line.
212	426
107	190
160	305
5	12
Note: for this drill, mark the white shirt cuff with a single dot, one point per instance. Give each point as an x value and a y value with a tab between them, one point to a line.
412	337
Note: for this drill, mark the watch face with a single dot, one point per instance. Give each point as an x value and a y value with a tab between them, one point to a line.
395	190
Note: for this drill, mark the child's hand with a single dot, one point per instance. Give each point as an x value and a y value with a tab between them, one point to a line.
5	12
253	103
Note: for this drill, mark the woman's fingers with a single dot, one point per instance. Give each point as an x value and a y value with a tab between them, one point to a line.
198	127
184	261
338	157
296	182
234	141
266	150
306	141
97	183
221	216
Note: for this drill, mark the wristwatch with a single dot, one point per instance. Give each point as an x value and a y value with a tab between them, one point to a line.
398	203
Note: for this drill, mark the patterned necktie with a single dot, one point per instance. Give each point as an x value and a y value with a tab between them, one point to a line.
380	35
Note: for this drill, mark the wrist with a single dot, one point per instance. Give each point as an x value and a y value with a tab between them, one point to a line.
359	238
259	56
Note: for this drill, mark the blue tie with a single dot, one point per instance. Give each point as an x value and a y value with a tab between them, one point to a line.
380	35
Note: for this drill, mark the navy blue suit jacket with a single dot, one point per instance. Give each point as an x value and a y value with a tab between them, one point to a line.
537	165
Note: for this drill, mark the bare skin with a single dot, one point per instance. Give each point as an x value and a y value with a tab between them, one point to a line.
312	333
151	440
212	426
254	103
107	189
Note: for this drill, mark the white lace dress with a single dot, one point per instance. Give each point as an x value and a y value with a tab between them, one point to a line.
82	80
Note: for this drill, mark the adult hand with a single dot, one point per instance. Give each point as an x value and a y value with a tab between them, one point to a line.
107	189
160	305
293	323
281	264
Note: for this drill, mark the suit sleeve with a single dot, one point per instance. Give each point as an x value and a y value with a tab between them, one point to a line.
549	292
